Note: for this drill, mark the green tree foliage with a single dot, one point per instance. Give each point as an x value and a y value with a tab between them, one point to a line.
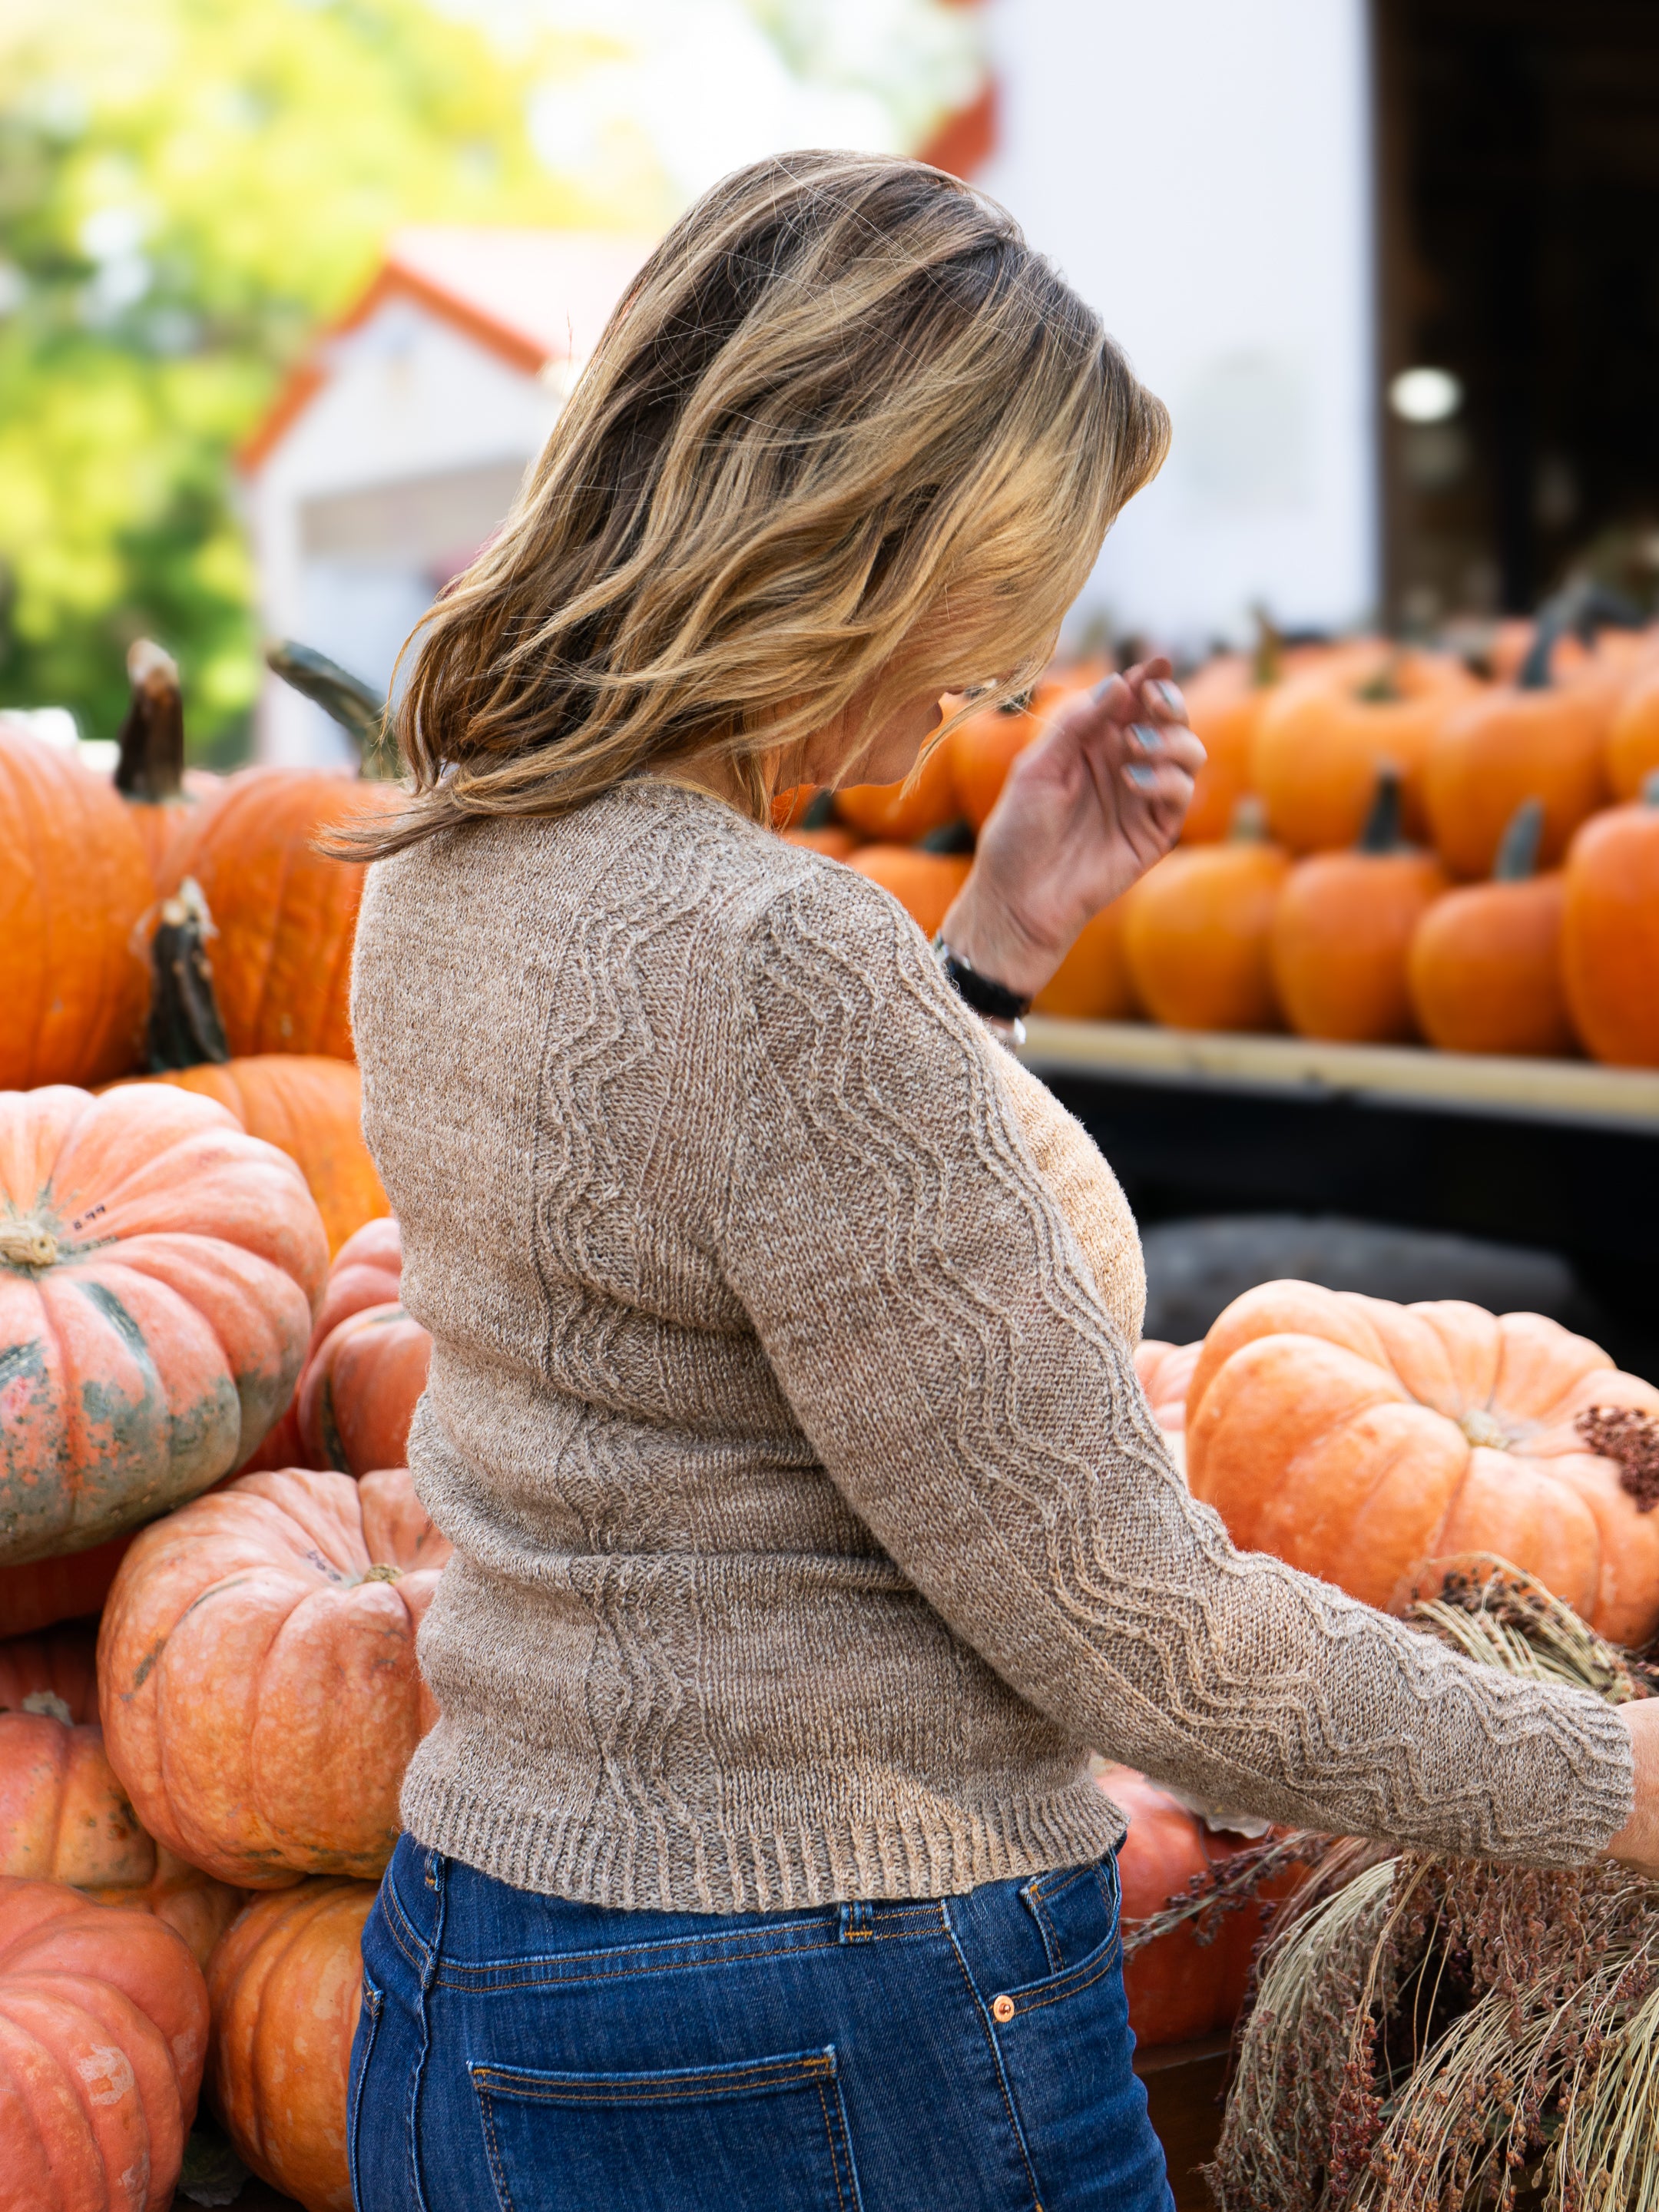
186	187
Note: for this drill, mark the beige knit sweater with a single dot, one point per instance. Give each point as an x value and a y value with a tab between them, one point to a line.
809	1526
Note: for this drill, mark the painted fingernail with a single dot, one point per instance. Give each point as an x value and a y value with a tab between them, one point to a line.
1170	694
1144	779
1103	690
1150	740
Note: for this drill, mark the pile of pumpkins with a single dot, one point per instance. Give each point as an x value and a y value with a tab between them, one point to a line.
1384	847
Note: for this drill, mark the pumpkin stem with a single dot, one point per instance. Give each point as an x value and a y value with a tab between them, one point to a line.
1582	609
381	1573
1381	831
955	836
346	699
1517	849
1383	689
1249	824
151	764
820	810
1267	662
27	1244
185	1027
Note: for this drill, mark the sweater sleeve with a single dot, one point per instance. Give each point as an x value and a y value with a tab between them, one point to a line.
942	1341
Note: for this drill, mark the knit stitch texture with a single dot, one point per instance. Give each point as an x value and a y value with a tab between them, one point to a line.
811	1528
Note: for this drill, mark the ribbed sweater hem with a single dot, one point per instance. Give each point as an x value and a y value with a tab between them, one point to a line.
829	1857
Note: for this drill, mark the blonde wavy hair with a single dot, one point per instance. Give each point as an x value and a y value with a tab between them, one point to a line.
845	439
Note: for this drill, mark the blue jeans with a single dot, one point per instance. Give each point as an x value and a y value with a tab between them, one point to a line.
965	2052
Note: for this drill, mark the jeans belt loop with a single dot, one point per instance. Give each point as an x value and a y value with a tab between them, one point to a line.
858	1922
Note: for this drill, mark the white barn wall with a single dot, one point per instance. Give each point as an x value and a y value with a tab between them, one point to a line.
1201	169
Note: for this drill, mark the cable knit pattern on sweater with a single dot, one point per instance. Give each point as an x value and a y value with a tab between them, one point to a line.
810	1525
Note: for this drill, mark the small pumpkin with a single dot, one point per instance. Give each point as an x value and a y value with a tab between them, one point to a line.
1322	738
1610	931
360	1390
259	1690
284	913
309	1106
1224	700
897	813
1357	1438
103	2032
1485	969
1633	753
46	1590
159	1269
375	1425
1182	1988
1340	941
984	745
1092	983
1197	933
286	1984
74	971
1536	738
924	883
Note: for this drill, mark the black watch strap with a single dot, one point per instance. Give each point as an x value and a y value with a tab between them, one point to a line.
978	991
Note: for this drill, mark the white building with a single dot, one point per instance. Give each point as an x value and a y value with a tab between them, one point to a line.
396	447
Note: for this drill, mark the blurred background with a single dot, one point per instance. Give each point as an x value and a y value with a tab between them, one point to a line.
290	290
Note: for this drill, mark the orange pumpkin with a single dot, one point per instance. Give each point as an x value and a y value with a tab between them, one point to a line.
1535	738
896	813
1485	969
1357	1438
286	1984
360	1390
1340	941
1180	1987
309	1106
285	914
368	1271
1165	1371
984	745
1633	753
257	1663
1610	932
73	972
1091	983
47	1590
1324	735
159	1269
835	844
1224	700
1196	935
103	2031
924	883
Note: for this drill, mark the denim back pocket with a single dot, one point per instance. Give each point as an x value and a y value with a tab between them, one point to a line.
769	2135
1076	1911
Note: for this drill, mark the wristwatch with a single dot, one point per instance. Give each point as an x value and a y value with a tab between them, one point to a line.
1001	1010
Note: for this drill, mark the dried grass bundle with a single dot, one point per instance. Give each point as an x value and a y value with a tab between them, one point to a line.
1434	2033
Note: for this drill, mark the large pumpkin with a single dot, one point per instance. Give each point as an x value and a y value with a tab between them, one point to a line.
1610	932
1357	1438
47	1590
74	889
924	883
1484	967
1342	931
309	1106
285	913
1322	738
1197	933
1181	1987
159	1269
258	1685
103	2031
286	1984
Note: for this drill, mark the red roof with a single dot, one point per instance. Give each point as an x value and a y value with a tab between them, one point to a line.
530	296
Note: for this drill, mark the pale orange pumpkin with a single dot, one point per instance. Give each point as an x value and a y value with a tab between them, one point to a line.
310	1106
259	1689
74	977
1357	1438
158	1270
286	1984
1165	1373
103	2031
359	1389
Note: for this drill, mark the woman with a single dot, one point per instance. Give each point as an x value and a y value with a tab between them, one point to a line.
810	1527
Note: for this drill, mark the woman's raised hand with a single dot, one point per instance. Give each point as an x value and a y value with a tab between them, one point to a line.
1086	810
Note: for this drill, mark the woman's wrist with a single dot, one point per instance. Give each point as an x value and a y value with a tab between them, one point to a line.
983	932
